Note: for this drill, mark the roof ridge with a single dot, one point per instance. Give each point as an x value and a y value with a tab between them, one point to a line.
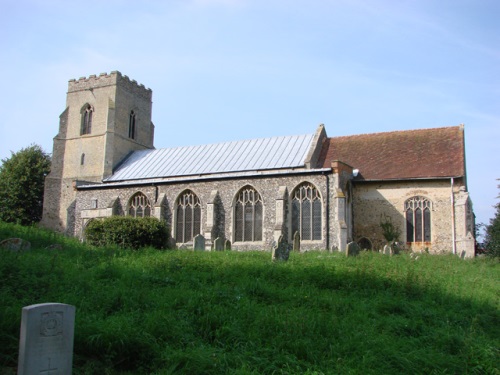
398	131
236	141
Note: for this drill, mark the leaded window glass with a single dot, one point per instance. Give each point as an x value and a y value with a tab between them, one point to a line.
188	217
418	219
86	120
248	216
307	212
139	206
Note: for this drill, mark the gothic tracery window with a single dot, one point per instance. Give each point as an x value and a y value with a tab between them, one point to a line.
139	206
86	120
131	125
188	217
306	212
248	215
418	219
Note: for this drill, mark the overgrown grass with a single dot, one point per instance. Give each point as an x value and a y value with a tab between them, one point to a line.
182	312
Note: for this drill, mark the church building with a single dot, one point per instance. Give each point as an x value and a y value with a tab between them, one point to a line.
329	190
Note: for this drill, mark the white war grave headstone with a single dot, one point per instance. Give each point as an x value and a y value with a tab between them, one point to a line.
46	340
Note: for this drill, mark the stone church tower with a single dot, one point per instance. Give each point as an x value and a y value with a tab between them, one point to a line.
106	117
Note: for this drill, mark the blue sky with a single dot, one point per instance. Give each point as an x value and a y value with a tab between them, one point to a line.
236	69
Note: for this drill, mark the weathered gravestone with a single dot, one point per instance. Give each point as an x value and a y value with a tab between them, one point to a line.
281	251
353	249
15	244
387	250
296	242
46	339
219	244
227	245
199	243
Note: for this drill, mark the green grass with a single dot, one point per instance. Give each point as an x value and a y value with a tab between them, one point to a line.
182	312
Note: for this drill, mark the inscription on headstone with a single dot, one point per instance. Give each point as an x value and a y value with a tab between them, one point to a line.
46	340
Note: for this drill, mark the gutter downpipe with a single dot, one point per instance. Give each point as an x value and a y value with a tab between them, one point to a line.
453	235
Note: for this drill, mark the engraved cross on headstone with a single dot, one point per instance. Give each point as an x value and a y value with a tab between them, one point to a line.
49	370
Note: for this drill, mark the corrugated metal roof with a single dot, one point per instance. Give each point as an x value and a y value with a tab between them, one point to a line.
236	156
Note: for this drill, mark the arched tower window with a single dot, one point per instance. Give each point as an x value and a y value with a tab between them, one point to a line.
131	125
248	215
86	120
139	206
188	217
306	212
418	219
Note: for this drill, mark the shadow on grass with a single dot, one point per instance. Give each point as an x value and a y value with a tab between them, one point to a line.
180	312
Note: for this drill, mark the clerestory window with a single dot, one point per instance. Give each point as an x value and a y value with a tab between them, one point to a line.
306	212
131	125
418	219
86	120
139	206
248	215
188	217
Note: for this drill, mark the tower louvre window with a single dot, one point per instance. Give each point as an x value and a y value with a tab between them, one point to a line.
131	125
87	120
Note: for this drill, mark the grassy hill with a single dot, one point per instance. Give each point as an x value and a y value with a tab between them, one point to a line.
182	312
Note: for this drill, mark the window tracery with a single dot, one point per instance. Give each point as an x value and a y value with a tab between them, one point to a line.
188	217
418	219
139	206
248	211
306	212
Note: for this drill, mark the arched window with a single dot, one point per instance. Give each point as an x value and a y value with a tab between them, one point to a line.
188	217
248	215
418	219
86	120
131	125
139	206
306	212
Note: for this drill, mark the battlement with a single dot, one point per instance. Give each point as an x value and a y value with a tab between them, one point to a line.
104	79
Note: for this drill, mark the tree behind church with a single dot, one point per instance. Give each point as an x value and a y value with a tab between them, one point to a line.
22	179
492	240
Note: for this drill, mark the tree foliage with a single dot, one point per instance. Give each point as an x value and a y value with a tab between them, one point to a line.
22	178
492	238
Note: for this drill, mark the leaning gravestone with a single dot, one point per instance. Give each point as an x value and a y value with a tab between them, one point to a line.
46	341
353	249
281	251
199	243
296	242
219	244
15	244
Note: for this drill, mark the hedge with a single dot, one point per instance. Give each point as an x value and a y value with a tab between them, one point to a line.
127	232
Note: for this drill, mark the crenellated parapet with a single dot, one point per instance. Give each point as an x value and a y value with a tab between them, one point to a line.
102	80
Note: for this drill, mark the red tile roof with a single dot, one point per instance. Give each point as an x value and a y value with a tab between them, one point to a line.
409	154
